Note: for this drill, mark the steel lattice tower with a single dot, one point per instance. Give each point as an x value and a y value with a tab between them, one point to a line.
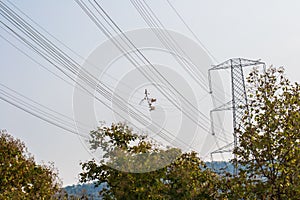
238	104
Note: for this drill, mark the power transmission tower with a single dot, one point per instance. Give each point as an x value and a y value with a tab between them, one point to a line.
238	104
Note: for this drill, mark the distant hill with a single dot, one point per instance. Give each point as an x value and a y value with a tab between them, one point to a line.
91	192
220	166
88	190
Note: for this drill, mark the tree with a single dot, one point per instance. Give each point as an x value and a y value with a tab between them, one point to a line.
184	177
20	176
268	153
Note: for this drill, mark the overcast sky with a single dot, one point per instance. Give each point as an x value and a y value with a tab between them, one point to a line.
267	30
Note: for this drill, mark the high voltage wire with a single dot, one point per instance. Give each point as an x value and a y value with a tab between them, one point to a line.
194	35
47	59
63	62
43	115
152	20
56	75
148	62
75	71
167	40
203	46
98	9
67	47
52	54
129	43
170	43
66	118
36	49
31	58
37	110
191	31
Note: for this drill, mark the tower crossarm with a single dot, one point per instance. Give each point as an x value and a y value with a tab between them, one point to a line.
236	62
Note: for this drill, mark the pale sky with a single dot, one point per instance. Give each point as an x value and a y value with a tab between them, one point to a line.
267	30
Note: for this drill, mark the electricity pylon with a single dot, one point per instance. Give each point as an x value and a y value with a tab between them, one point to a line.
238	104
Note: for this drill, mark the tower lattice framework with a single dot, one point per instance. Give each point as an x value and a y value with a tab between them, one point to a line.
238	103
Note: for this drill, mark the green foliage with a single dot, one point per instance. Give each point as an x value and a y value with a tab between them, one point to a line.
184	177
269	148
20	176
268	154
128	151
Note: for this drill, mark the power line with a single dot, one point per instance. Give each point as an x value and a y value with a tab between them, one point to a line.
37	113
203	46
56	57
65	118
137	53
169	42
66	46
191	31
